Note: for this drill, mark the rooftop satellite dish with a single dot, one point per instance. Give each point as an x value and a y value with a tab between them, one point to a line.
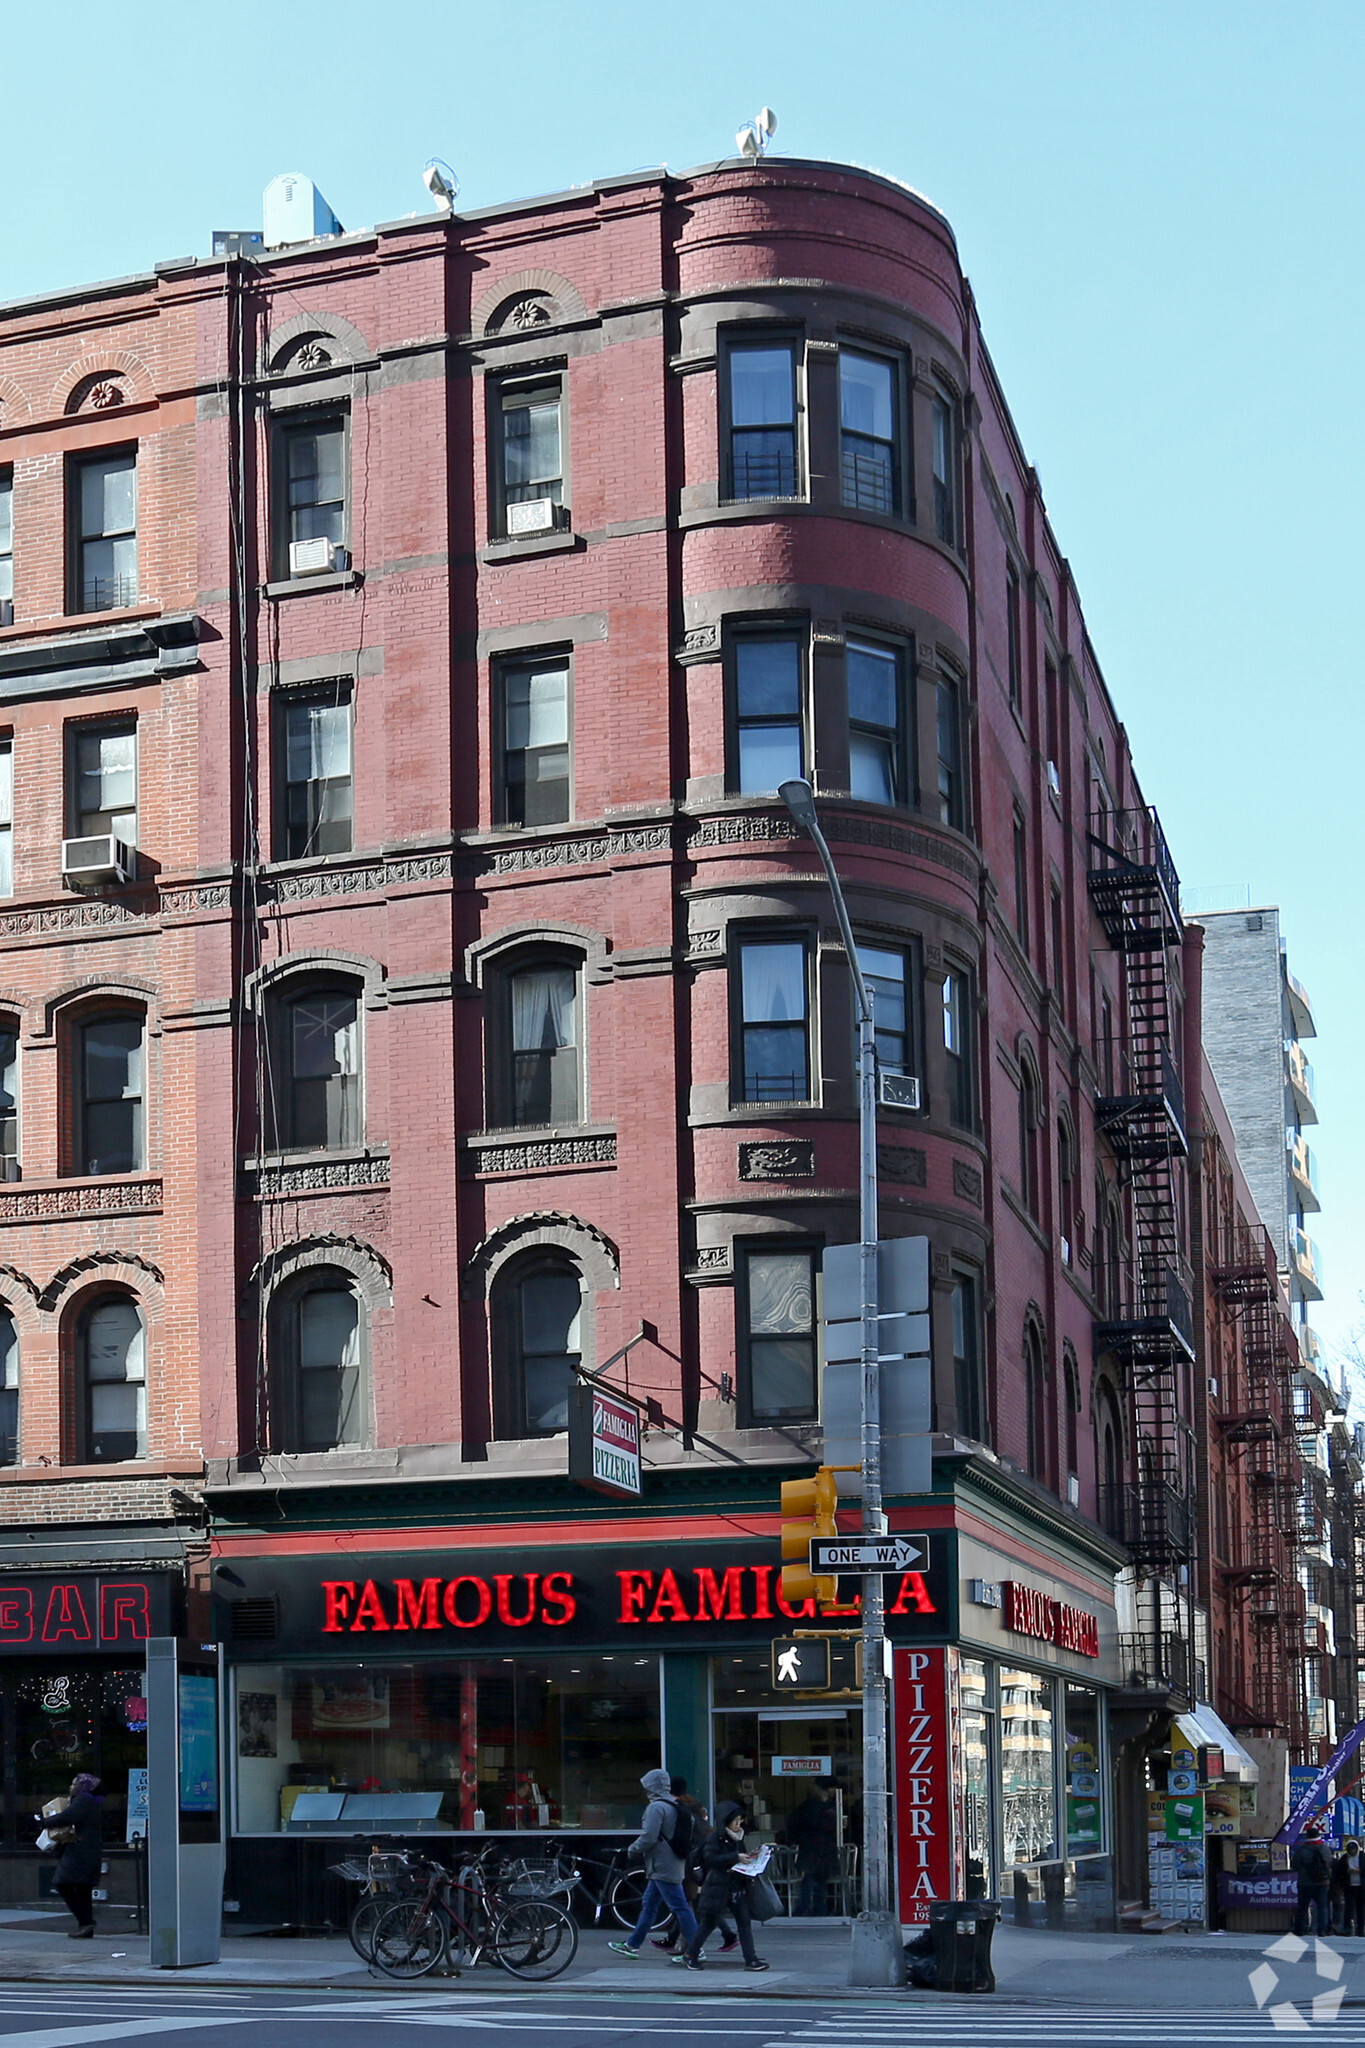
442	184
753	138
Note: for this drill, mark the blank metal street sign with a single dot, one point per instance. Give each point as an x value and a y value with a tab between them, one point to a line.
800	1665
868	1553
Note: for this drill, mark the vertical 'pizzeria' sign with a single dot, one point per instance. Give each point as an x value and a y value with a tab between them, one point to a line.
604	1441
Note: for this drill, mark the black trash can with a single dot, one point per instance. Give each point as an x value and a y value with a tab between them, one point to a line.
962	1931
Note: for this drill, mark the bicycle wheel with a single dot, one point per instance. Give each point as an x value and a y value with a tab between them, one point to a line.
534	1939
364	1920
625	1897
410	1939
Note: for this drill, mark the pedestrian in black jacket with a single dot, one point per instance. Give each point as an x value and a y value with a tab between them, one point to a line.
721	1891
78	1870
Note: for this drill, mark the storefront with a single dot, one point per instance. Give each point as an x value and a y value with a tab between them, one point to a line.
73	1698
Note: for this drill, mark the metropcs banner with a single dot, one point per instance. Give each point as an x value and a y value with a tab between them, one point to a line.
927	1775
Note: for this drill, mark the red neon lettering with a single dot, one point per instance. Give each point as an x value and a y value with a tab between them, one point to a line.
805	1612
369	1610
763	1607
550	1590
16	1614
66	1616
719	1600
635	1585
124	1611
337	1595
913	1597
450	1603
503	1582
417	1606
669	1593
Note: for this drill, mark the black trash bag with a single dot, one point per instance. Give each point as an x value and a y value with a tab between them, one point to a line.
921	1968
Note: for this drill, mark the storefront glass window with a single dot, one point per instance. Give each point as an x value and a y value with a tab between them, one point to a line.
508	1742
1028	1817
61	1718
977	1738
1084	1805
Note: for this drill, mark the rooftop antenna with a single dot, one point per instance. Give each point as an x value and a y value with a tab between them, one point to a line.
754	137
442	184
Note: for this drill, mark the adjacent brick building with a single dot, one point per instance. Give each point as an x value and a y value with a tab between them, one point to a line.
470	1010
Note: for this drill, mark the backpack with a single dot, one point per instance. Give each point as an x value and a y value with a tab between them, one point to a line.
683	1840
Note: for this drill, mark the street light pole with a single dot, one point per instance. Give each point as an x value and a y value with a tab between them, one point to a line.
878	1955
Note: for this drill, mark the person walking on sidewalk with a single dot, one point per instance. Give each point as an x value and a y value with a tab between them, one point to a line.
665	1843
78	1870
1313	1870
668	1941
722	1891
1348	1878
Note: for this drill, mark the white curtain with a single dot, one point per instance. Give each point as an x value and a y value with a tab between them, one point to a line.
542	1009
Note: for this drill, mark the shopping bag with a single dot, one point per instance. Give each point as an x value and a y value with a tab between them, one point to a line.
45	1842
764	1903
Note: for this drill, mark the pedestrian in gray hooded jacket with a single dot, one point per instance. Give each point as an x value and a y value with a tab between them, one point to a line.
664	1867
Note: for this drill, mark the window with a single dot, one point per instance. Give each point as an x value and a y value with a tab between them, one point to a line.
542	1086
111	1095
969	1389
6	817
1072	1378
951	808
311	482
945	472
319	1052
539	1313
777	1335
878	769
528	425
957	1047
762	407
9	1101
105	520
535	749
1013	635
1066	1192
1107	1045
1020	846
1058	945
104	781
319	1330
1036	1393
9	1389
1108	1455
113	1355
6	535
317	772
867	432
769	710
1028	1136
888	983
774	1020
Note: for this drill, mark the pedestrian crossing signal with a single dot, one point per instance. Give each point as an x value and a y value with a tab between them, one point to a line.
808	1510
801	1664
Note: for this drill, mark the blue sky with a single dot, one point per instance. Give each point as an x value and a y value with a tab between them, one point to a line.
1159	206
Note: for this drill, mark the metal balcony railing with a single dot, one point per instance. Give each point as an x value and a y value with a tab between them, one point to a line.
1151	1518
1164	1663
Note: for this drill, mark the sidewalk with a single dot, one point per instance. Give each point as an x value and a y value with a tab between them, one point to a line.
809	1959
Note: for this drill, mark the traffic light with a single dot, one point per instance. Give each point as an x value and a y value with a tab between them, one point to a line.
808	1510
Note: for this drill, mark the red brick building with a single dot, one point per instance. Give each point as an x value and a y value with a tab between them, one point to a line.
460	1006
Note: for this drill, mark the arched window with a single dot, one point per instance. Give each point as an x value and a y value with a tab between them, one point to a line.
1071	1373
540	1079
318	1359
1066	1191
1036	1394
1028	1134
538	1311
9	1389
112	1346
9	1099
316	1058
1109	1457
111	1132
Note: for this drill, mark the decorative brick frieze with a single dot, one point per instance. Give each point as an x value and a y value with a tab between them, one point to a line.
80	1198
777	1159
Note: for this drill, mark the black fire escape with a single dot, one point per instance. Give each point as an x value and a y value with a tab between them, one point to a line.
1146	1318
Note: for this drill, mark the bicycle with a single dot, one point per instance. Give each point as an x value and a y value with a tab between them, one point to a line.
529	1937
383	1875
620	1894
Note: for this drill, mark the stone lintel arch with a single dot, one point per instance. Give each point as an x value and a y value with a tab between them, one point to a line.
118	368
538	1230
276	975
127	1270
372	1274
94	989
567	300
498	946
15	407
337	339
21	1296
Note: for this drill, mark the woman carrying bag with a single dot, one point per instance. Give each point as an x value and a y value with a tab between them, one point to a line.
723	1891
77	1826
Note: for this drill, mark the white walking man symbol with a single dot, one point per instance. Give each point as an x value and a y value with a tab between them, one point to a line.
788	1666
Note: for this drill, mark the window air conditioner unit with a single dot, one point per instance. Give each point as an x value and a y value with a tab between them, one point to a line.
898	1091
315	557
533	515
6	611
102	859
